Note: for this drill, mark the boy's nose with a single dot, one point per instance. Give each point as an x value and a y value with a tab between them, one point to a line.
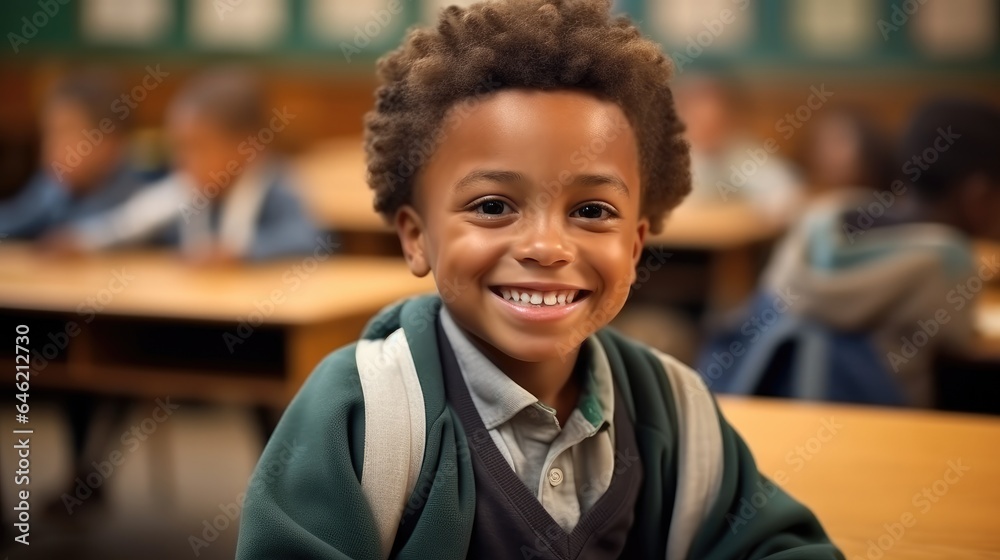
544	243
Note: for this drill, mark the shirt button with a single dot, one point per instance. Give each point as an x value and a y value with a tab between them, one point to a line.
555	476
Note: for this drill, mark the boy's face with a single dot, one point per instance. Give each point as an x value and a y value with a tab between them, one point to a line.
537	192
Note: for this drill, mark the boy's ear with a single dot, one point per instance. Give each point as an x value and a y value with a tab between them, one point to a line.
410	229
640	240
640	243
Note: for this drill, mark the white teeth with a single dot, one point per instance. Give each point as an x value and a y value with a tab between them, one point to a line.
532	297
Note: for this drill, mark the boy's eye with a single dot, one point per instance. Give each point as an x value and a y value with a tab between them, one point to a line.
593	211
494	207
491	208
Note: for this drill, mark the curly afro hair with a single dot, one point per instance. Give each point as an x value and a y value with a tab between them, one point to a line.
536	44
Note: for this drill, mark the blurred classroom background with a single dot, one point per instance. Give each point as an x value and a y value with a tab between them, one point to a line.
157	378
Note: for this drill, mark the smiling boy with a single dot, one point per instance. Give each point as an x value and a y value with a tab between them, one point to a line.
500	419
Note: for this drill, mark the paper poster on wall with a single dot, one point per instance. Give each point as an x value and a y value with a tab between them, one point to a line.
702	25
834	28
239	24
950	28
357	21
432	8
133	22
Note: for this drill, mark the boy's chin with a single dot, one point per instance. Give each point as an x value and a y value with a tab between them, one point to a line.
539	350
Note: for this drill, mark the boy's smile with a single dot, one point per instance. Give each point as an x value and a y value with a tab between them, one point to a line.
530	209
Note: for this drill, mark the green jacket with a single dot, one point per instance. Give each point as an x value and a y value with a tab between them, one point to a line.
307	500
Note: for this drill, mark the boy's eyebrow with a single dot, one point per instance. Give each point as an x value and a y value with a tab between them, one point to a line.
492	175
599	179
512	177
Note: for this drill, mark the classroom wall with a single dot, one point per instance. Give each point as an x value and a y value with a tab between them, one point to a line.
872	53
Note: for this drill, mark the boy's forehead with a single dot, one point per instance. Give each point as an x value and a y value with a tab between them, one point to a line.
542	136
561	124
568	105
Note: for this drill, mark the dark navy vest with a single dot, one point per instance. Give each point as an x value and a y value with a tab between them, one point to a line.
510	521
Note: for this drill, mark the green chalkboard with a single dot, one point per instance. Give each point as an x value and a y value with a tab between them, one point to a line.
55	28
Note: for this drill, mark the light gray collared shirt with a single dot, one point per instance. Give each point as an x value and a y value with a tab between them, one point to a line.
567	467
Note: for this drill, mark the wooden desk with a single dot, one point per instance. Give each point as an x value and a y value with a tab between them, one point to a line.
873	470
716	227
147	324
730	233
332	179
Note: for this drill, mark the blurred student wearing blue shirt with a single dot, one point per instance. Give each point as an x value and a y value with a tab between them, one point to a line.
227	198
84	167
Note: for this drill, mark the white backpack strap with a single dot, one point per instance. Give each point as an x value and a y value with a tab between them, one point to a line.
700	455
394	430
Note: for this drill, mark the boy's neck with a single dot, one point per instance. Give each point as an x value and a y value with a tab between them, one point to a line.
552	381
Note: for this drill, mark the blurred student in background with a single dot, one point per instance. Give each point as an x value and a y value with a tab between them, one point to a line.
85	168
846	151
862	295
727	163
228	198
